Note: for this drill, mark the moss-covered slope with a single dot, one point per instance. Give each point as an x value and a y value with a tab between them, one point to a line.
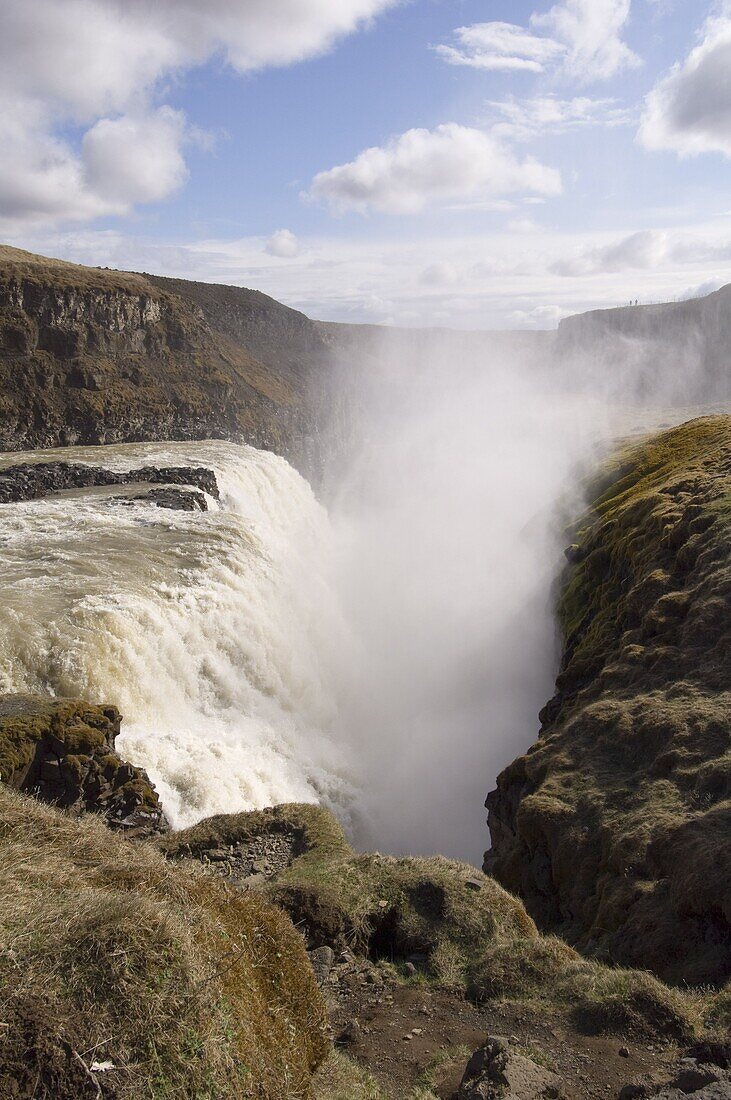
615	827
463	929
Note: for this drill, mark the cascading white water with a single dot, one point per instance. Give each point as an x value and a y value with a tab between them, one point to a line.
217	634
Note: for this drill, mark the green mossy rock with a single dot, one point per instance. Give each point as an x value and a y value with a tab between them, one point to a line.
615	827
62	751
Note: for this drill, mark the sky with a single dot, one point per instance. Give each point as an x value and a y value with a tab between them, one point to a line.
463	163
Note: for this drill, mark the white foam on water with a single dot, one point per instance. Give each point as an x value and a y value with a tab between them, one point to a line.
217	634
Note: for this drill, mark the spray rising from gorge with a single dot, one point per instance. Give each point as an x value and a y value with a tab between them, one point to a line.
384	651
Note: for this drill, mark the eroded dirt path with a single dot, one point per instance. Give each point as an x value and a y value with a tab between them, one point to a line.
399	1031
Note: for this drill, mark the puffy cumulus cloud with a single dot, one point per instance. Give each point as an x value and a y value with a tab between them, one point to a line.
689	111
102	64
581	38
638	251
422	167
282	243
121	161
539	317
135	159
439	274
522	119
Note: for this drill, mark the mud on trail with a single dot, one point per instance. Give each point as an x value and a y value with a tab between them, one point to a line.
418	1034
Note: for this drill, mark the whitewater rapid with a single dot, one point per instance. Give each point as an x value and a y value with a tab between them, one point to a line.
216	633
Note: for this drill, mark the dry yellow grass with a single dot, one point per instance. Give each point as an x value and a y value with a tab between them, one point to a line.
109	953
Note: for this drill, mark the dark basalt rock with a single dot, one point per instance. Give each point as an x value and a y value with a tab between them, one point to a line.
31	481
62	751
178	500
703	1073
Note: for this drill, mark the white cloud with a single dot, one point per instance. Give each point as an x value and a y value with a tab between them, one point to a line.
102	64
522	225
440	274
540	317
689	111
708	286
580	38
522	119
499	46
282	243
638	251
135	159
422	167
592	33
121	161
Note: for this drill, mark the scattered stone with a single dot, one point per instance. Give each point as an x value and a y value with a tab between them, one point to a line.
473	884
702	1080
322	959
251	862
692	1077
624	1052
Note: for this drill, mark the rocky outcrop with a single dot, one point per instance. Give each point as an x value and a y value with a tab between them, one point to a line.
62	751
89	355
615	827
177	500
30	481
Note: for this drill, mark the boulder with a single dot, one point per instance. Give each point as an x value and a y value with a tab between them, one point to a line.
498	1072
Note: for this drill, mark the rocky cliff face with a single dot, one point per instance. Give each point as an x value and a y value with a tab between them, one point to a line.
95	356
615	827
670	353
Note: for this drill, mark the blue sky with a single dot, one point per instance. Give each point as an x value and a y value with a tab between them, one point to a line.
469	162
